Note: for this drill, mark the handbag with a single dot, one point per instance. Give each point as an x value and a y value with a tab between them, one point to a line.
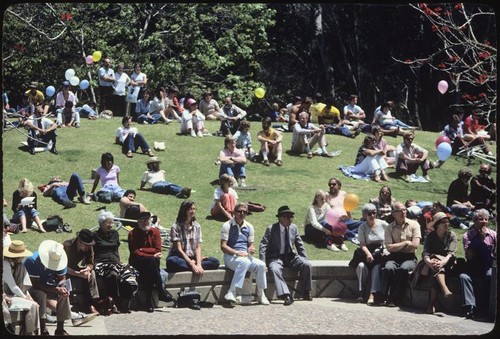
132	94
360	256
188	299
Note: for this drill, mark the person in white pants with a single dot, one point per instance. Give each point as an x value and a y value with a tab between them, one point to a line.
237	244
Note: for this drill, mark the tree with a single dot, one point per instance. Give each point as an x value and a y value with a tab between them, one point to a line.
465	54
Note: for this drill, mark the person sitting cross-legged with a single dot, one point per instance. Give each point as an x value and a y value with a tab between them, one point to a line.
277	250
237	244
131	139
41	131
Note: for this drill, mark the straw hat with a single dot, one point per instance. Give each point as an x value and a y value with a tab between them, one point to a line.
152	160
437	218
52	255
17	249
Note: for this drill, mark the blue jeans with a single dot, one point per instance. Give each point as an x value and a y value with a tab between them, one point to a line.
395	123
143	117
67	193
236	170
178	264
164	187
29	212
132	143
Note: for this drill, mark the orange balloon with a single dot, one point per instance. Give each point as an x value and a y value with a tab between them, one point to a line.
351	201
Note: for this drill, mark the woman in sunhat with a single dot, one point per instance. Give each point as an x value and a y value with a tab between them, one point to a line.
16	283
439	255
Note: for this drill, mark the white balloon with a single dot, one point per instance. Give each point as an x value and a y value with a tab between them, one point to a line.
70	72
74	81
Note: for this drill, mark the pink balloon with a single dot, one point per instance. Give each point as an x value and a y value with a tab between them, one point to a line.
442	86
89	60
339	229
442	138
332	216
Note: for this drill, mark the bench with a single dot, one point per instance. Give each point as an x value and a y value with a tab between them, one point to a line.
330	279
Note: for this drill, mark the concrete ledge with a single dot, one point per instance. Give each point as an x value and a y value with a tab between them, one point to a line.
331	278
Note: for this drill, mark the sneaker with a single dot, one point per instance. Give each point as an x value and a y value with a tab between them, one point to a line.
50	319
77	125
207	134
68	204
184	193
343	247
242	182
217	162
355	241
83	318
235	183
168	121
437	164
199	134
230	297
84	200
333	248
262	299
428	178
265	162
193	133
463	226
407	178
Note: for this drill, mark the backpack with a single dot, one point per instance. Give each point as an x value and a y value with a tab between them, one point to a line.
255	207
55	223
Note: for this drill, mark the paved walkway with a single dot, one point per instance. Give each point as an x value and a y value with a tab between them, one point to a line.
322	316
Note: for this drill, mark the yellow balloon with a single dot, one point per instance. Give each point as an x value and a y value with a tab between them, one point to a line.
96	56
351	201
260	92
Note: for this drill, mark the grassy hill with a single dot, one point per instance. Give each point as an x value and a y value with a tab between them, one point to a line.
190	162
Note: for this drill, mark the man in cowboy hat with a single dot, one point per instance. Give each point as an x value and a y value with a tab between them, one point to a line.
16	283
277	250
47	269
154	178
80	253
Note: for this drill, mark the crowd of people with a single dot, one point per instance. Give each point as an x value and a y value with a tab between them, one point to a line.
388	234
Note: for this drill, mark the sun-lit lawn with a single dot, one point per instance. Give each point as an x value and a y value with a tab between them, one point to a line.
190	162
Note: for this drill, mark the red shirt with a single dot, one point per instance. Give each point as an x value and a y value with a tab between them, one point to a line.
144	243
472	124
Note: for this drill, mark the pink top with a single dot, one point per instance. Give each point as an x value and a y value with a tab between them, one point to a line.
109	178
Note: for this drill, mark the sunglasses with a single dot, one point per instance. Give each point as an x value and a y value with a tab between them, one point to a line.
372	213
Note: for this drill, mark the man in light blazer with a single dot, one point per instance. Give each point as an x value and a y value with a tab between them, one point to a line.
277	250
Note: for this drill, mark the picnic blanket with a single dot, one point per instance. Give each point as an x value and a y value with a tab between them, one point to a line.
348	171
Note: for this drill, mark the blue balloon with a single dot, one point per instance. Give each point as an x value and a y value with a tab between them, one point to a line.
84	84
50	91
443	151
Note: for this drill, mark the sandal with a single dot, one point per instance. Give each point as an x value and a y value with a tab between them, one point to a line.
151	154
129	154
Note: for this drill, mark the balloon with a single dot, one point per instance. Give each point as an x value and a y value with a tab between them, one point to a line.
96	56
260	92
70	72
89	60
339	229
351	201
443	151
84	84
74	81
441	139
50	91
332	216
442	86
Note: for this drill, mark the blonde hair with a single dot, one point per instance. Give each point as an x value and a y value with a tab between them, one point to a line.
25	185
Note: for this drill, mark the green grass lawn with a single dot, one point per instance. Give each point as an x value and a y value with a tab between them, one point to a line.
190	162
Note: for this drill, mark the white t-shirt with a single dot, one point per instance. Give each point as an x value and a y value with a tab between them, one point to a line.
120	85
122	132
151	178
218	193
